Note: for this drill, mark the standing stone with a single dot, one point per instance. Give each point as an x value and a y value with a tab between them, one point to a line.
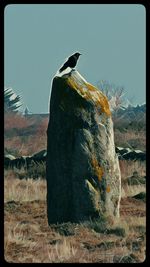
82	168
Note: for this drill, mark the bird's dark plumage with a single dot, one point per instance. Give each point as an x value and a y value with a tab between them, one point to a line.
71	62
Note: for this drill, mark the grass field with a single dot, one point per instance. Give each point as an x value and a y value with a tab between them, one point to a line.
27	236
27	232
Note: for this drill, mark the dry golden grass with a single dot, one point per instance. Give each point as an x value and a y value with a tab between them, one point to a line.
24	135
27	236
26	145
40	249
128	167
129	191
29	239
131	138
24	190
16	120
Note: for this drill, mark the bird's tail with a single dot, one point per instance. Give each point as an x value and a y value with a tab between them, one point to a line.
62	68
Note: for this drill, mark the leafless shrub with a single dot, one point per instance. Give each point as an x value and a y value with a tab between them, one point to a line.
114	93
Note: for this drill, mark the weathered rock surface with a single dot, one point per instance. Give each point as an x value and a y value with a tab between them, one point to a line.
82	170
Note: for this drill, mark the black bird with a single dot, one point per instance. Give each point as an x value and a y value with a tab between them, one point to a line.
71	62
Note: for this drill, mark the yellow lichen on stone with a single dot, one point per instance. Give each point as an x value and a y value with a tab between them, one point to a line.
90	92
97	168
108	189
100	99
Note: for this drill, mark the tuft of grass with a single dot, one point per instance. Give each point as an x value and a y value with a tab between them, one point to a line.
97	225
119	231
101	226
36	170
131	138
141	229
129	191
129	167
24	190
66	229
136	181
131	258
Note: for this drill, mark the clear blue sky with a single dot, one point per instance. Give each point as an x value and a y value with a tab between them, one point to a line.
37	39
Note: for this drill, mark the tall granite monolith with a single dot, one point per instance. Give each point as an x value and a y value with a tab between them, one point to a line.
82	168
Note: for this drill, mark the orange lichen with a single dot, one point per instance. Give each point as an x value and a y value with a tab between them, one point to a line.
90	92
97	168
108	189
101	99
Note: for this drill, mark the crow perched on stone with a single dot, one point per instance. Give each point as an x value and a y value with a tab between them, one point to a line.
71	62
